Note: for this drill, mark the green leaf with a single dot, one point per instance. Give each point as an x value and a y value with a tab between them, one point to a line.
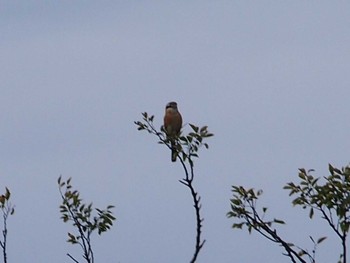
302	253
331	169
321	239
312	239
278	221
195	128
7	194
236	202
311	214
302	175
72	238
204	128
239	226
344	226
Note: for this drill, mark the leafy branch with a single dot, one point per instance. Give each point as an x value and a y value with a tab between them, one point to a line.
244	207
72	209
187	147
7	209
331	200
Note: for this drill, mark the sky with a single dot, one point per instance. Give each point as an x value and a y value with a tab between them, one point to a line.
269	78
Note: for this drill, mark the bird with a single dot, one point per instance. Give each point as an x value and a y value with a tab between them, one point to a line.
172	126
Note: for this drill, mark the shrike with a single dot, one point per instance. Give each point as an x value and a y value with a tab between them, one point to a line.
172	126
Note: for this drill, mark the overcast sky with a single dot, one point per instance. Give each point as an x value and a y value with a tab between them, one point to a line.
270	79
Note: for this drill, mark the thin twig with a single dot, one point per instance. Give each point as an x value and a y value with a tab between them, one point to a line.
196	203
72	258
257	223
187	181
86	246
4	233
6	210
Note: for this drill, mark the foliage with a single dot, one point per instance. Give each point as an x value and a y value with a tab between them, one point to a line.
7	209
330	199
81	215
187	148
244	206
187	145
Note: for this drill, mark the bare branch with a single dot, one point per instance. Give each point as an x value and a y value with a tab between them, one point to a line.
72	258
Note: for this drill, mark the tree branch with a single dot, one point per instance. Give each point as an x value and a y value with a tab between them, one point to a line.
187	181
259	223
72	258
7	210
192	142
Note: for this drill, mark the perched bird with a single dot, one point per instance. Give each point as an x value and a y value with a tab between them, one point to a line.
172	126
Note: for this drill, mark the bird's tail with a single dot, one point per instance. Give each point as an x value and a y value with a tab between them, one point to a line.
173	151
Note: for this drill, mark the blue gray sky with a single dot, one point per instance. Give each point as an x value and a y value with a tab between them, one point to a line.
270	79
